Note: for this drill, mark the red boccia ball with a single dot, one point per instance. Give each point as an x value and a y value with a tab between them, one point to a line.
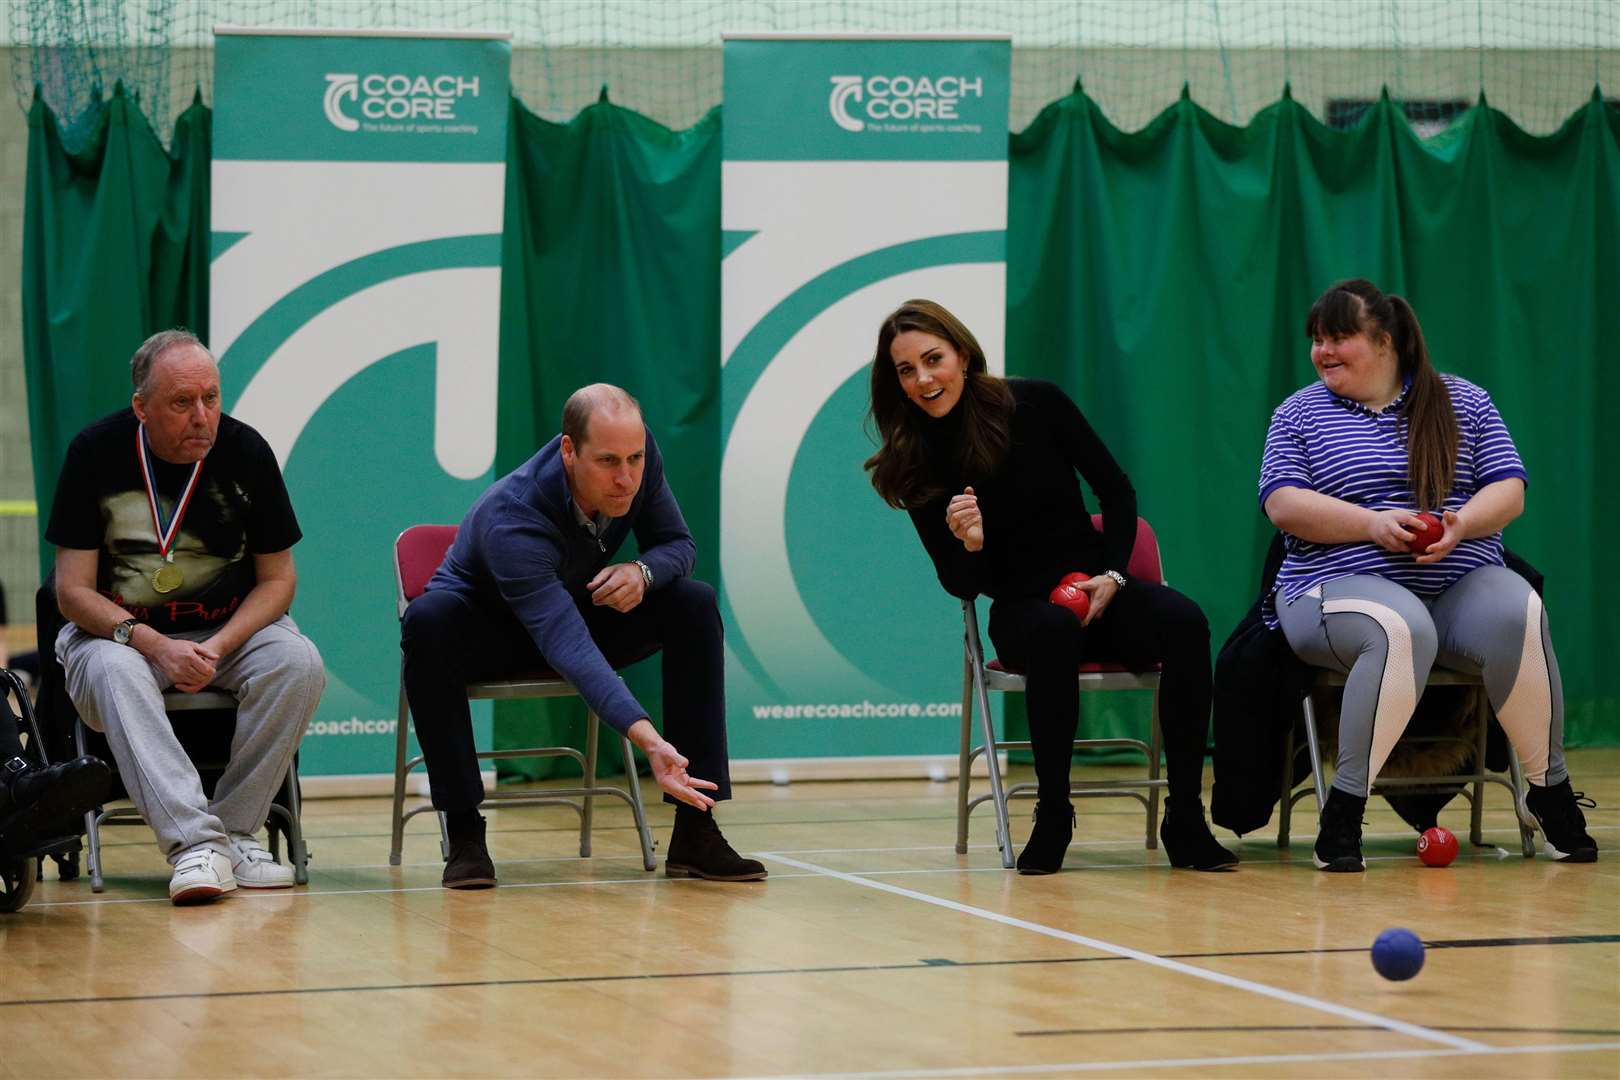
1437	847
1068	594
1431	530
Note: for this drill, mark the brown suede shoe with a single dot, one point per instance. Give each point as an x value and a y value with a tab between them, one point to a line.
469	865
696	849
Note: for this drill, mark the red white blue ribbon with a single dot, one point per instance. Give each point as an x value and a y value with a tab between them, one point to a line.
166	529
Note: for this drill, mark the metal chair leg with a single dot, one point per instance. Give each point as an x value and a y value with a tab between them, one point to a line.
965	764
639	812
1521	809
444	836
1285	799
1156	740
998	794
401	735
1316	753
590	782
92	821
1476	816
297	852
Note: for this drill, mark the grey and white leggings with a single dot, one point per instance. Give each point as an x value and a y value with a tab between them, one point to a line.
1384	639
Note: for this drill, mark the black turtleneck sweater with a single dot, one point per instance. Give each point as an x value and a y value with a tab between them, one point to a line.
1036	525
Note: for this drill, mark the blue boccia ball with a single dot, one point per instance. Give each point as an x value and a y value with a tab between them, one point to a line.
1397	954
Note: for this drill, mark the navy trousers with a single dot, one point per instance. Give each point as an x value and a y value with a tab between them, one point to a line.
449	641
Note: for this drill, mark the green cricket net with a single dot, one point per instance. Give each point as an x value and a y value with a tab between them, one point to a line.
1537	60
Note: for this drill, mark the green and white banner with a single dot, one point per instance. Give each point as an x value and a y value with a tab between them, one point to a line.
358	182
858	173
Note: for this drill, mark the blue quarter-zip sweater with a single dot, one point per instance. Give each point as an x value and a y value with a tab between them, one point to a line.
521	548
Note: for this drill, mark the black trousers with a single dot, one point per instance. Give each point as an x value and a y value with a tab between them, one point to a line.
1143	625
449	642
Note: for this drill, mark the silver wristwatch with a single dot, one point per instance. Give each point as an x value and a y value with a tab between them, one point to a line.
122	632
646	573
1119	578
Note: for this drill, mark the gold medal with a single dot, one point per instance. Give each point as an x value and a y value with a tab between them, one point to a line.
167	578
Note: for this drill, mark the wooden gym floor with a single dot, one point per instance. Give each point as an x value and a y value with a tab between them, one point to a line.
873	950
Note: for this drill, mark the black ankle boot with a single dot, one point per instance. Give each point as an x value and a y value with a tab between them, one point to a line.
1054	828
1557	810
696	849
469	865
1338	835
1188	843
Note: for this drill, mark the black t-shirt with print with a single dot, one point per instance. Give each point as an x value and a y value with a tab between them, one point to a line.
239	509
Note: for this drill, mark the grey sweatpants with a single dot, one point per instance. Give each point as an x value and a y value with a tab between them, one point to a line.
1384	639
277	677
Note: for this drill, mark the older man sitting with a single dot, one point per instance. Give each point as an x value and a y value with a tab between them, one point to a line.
174	568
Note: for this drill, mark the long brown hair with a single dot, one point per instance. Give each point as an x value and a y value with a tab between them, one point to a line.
1356	305
899	469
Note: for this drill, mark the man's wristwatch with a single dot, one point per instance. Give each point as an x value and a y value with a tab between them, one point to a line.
122	632
1119	578
646	573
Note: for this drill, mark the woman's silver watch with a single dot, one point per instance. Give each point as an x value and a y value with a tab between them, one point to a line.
1119	578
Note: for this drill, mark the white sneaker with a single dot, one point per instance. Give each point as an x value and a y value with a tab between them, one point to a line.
256	868
200	874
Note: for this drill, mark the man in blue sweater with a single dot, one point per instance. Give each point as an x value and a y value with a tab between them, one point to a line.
528	584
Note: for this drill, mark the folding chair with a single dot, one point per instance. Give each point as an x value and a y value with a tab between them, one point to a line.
285	812
979	677
1514	781
417	554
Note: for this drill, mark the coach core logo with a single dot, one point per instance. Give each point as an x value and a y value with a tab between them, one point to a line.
899	97
394	98
844	88
339	87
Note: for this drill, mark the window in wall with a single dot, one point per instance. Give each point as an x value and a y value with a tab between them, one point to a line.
1427	116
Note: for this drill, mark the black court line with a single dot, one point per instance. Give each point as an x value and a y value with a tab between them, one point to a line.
1246	1028
929	964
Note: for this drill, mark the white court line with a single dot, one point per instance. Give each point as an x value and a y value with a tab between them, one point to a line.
1414	1030
1208	1062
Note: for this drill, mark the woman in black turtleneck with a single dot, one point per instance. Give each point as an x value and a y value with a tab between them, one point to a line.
987	469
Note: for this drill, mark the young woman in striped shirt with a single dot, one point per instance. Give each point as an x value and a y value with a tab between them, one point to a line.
1350	462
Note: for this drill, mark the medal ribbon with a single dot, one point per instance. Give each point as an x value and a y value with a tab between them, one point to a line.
166	530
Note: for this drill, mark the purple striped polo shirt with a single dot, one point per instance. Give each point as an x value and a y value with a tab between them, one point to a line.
1326	443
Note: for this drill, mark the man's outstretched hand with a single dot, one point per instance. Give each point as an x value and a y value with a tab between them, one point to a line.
669	767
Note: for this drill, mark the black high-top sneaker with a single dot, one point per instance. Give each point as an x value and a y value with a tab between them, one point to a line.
1338	835
469	865
1188	843
697	850
1563	826
1049	840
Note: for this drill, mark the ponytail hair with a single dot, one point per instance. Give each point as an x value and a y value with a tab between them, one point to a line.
1430	421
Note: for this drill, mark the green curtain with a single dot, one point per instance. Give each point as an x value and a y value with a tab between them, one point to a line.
115	248
611	273
1163	278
